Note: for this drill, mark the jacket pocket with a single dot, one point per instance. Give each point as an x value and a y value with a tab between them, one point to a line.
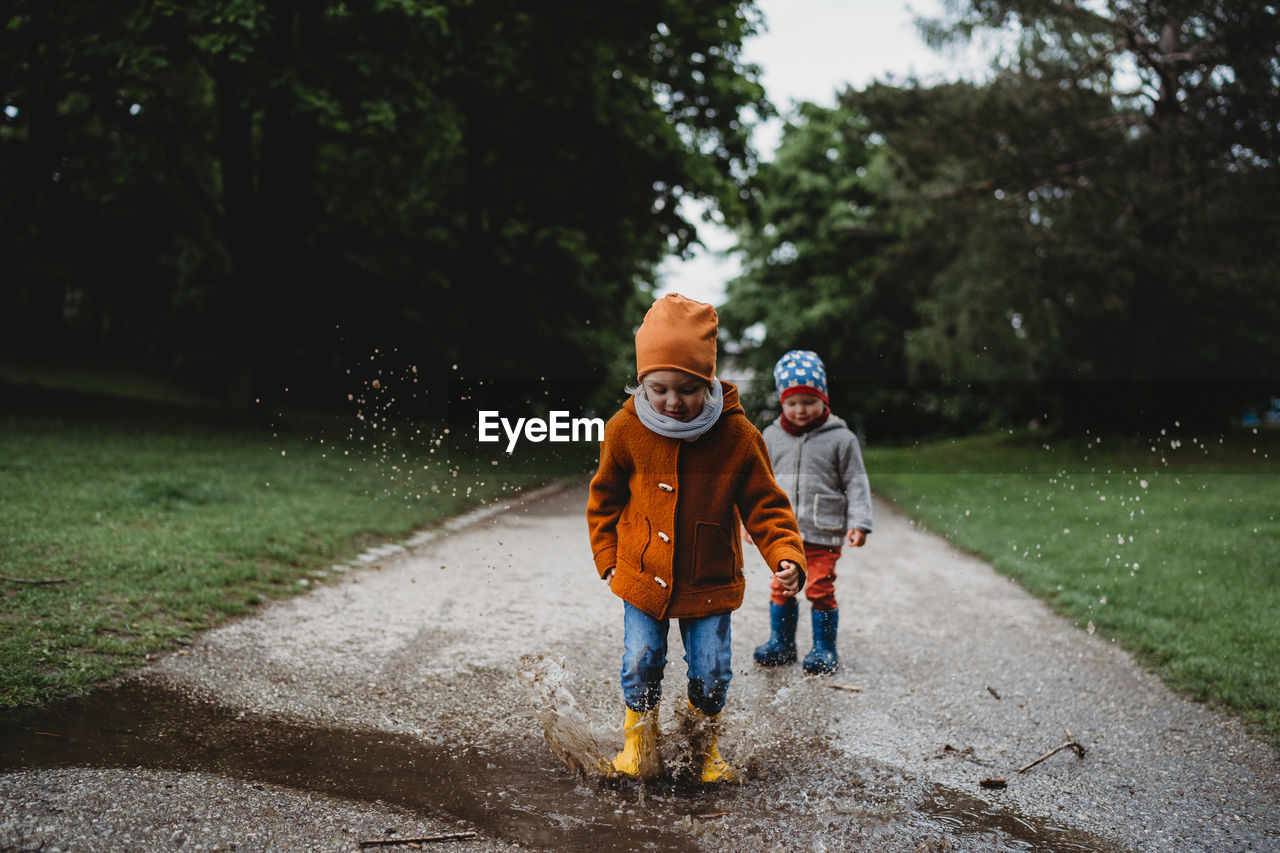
633	540
829	512
714	559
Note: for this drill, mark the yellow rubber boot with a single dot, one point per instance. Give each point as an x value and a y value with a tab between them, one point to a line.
705	744
639	756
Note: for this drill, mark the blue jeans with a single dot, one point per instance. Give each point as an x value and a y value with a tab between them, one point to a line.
706	650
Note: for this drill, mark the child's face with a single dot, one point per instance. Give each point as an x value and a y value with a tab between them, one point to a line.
801	409
674	393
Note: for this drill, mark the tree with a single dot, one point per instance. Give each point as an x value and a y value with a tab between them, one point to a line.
1087	234
1107	189
273	189
812	247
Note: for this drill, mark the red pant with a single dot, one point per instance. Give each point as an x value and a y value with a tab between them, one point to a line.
820	580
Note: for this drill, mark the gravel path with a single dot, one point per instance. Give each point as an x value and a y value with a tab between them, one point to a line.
439	665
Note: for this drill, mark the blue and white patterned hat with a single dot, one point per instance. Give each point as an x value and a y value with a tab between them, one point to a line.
801	372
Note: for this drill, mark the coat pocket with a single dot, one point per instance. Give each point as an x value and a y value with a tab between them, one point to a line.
714	559
829	512
633	540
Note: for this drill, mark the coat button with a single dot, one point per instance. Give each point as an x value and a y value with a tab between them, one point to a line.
660	582
664	537
666	488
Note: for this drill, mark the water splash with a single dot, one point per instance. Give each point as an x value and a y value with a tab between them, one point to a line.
571	734
587	739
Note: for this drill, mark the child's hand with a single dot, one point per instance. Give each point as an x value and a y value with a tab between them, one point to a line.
608	575
788	576
746	537
855	537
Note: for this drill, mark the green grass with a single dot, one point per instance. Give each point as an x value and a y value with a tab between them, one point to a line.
161	524
1168	544
120	382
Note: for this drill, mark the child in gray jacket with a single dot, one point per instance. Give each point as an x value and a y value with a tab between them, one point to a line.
818	463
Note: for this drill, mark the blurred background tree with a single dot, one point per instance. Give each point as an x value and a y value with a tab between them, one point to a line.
257	194
1088	235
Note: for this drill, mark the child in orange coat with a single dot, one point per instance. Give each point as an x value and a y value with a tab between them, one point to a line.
680	467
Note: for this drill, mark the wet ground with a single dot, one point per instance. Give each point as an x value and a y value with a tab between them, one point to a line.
413	699
519	791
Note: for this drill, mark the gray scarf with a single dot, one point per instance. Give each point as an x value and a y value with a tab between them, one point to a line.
684	430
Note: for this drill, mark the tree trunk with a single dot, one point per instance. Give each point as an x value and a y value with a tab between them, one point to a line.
237	320
1156	290
37	298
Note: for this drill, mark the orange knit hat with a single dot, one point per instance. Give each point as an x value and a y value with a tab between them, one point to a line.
678	334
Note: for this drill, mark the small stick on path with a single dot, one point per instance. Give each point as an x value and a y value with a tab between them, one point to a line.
426	839
32	580
1070	744
852	688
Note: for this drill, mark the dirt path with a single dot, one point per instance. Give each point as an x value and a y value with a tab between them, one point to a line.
411	699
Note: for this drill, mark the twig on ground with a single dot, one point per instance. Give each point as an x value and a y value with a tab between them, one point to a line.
948	750
32	580
968	754
993	783
992	691
852	688
391	842
1070	744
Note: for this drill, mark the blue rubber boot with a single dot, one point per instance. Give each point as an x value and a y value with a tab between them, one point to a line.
823	659
781	648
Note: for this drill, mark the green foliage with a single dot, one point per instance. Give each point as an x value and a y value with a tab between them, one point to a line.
812	247
263	192
1087	235
1098	233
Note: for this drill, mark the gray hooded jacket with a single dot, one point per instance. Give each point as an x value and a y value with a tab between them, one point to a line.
823	475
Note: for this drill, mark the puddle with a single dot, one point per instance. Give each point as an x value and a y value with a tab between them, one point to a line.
526	798
803	796
970	815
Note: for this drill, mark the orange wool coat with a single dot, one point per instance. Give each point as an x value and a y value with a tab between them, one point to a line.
663	513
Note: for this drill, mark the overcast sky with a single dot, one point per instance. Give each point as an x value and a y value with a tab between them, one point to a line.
810	50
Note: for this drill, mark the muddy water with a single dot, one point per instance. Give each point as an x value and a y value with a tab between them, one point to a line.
800	796
529	798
